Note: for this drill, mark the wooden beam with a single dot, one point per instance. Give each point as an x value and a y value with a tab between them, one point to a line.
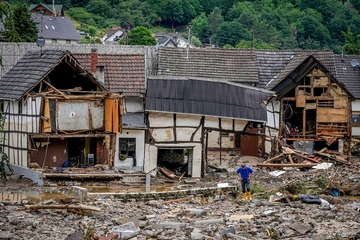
282	165
51	86
72	206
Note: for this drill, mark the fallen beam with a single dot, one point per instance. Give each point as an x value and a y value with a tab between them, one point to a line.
81	175
299	165
71	206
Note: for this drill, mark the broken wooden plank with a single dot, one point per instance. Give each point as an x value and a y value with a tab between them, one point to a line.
332	157
167	173
300	165
71	206
274	158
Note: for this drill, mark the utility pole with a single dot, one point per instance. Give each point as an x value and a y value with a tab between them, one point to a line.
188	43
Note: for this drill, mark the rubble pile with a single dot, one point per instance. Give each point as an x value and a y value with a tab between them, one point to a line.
221	216
186	220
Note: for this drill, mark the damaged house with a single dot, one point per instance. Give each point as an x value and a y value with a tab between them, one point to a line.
222	65
57	114
182	112
125	74
311	109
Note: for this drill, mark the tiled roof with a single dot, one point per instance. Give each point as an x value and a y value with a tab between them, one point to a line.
325	57
203	97
347	74
270	64
35	66
56	28
123	73
219	64
27	72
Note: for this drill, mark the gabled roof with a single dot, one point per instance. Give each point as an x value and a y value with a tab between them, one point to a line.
272	64
166	42
123	73
56	28
58	8
218	64
295	71
204	97
112	31
164	38
347	74
34	67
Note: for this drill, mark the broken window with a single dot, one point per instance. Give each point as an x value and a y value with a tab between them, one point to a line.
355	119
176	160
127	148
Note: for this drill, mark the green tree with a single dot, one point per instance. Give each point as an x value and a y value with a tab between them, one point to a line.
195	41
98	7
231	33
9	33
4	160
352	44
88	19
255	45
139	36
215	19
24	25
92	31
200	27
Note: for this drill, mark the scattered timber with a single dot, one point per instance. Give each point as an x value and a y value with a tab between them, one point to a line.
167	173
290	157
71	206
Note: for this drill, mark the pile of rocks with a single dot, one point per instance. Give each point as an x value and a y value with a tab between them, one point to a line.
193	219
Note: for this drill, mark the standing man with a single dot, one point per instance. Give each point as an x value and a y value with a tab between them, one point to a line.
244	173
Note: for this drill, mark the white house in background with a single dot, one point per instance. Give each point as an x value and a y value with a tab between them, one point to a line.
172	40
56	29
113	35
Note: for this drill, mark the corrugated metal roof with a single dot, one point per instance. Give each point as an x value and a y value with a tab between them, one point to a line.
221	64
201	97
123	73
347	74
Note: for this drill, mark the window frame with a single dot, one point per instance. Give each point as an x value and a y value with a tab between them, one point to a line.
354	113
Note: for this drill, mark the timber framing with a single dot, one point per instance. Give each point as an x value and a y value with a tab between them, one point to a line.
314	105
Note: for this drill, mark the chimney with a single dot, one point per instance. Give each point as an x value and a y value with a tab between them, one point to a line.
94	60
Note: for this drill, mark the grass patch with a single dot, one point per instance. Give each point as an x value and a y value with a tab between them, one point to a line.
295	188
322	181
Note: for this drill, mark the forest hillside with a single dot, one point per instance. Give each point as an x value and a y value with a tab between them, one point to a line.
262	24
